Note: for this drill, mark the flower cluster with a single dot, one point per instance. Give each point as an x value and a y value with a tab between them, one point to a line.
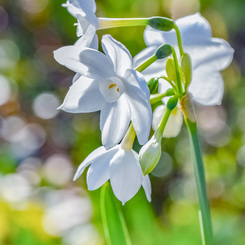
115	84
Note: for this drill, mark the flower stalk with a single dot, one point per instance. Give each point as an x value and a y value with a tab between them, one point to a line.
204	215
179	85
181	50
105	23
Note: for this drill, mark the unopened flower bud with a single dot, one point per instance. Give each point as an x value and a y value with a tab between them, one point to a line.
150	154
161	23
170	69
163	51
186	68
153	85
172	102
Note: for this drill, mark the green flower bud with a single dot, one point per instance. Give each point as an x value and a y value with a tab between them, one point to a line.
161	23
170	69
172	102
186	68
153	85
163	51
170	92
150	154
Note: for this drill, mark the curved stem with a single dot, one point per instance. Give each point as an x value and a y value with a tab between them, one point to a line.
179	40
204	215
147	63
170	82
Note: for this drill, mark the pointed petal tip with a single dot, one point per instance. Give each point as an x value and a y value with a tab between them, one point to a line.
75	177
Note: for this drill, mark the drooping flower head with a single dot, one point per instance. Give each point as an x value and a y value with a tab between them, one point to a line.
118	165
107	83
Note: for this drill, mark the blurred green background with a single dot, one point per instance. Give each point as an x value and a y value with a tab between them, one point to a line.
41	147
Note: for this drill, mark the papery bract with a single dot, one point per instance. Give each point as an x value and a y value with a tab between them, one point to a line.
119	166
107	83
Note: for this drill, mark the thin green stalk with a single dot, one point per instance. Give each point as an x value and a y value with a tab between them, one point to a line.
163	122
176	64
169	81
156	97
105	23
179	40
205	216
147	63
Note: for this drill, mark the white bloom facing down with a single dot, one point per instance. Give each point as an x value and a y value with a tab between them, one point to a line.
119	166
174	123
209	56
107	83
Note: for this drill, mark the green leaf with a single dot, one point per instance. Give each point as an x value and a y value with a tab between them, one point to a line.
116	232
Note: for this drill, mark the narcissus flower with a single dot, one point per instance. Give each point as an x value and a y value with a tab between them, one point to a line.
84	11
208	56
118	165
107	83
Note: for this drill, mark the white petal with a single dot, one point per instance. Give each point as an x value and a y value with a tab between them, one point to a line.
174	123
98	65
85	20
207	87
147	187
88	160
125	175
141	115
83	96
76	77
154	37
98	172
114	121
69	56
89	39
136	81
213	54
76	6
118	53
192	26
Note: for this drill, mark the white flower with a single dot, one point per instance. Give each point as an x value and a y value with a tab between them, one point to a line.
121	167
107	83
174	123
209	56
84	11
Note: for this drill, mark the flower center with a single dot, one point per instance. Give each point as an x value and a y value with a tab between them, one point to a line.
111	89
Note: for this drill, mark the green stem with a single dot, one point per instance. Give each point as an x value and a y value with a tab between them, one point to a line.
170	82
162	125
205	216
179	40
105	23
147	63
156	97
176	64
115	227
103	215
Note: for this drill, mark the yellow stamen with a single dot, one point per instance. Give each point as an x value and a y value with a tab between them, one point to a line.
112	85
117	89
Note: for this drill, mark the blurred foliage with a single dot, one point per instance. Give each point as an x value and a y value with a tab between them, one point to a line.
41	147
